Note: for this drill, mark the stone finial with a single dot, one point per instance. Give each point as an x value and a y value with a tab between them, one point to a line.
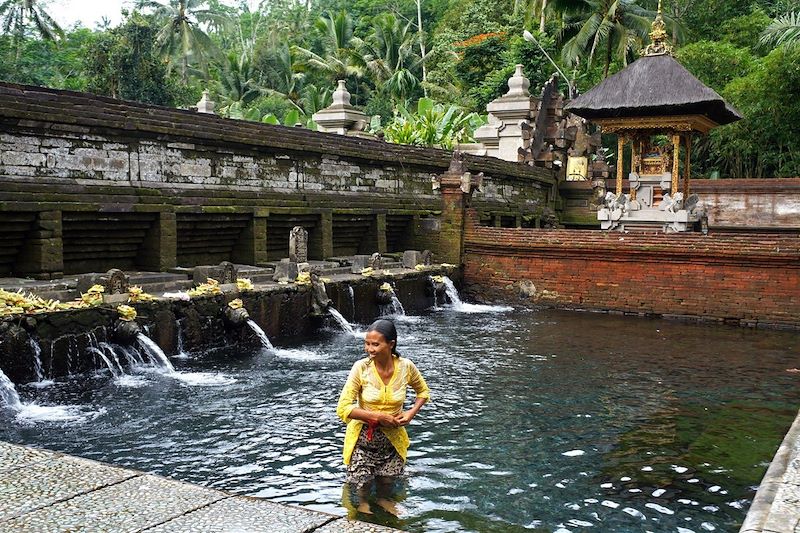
341	96
518	84
206	105
341	117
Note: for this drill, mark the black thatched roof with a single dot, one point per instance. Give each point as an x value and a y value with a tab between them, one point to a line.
653	86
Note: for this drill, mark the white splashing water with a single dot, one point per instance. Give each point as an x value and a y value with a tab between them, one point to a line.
299	354
31	413
111	366
461	307
155	354
203	379
37	359
8	393
342	321
260	334
397	306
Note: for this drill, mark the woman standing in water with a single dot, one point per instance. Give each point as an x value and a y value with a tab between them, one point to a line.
371	404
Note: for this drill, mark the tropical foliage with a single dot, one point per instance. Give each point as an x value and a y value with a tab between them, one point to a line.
425	68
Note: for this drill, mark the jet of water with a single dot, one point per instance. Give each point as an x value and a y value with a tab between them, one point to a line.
155	353
260	334
342	321
8	394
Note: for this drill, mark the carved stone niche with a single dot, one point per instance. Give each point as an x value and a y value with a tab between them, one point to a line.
115	281
224	273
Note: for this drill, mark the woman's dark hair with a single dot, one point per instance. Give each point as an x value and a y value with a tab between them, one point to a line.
387	329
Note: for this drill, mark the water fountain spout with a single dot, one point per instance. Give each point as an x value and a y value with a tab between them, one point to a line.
320	302
437	288
126	330
385	294
235	314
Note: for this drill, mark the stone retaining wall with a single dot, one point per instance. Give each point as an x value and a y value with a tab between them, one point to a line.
751	280
91	183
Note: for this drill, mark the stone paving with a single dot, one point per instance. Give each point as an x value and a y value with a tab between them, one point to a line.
776	506
43	491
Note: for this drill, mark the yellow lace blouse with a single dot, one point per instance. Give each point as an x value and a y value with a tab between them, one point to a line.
365	389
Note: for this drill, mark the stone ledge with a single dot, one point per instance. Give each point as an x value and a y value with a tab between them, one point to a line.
57	492
776	505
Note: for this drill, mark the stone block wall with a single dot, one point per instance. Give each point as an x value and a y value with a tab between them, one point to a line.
751	280
105	183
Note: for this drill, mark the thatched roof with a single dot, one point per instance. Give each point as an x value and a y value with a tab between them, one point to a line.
653	86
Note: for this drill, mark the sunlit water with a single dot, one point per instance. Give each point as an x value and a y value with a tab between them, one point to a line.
540	420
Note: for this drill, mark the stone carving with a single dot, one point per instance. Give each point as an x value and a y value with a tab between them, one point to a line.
227	272
320	301
116	282
427	257
298	245
375	261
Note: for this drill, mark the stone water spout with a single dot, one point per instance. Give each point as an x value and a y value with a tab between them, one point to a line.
385	294
126	329
437	287
320	303
235	314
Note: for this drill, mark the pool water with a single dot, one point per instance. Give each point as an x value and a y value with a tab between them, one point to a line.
540	420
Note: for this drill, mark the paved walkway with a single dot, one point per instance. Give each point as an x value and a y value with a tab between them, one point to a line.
776	506
43	491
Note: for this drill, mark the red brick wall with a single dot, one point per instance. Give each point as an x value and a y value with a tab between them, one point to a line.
746	279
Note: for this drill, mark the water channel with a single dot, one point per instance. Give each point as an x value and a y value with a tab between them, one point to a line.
541	420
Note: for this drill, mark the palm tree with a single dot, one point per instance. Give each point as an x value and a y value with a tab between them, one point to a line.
181	37
338	59
282	68
620	26
389	54
784	31
17	16
238	83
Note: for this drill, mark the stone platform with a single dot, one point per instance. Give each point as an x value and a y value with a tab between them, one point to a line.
44	491
776	506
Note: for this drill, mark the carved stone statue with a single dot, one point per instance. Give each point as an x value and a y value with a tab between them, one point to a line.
319	301
376	261
298	245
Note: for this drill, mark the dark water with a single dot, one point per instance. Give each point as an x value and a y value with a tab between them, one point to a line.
550	421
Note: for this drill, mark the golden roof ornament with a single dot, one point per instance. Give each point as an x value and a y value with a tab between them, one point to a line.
659	44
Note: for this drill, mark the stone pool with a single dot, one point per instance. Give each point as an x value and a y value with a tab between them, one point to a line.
541	420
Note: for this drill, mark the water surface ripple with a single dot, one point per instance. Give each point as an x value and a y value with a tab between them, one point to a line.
548	421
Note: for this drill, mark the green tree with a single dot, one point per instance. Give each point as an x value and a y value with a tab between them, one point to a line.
783	31
181	38
615	28
716	63
764	143
238	85
19	17
338	58
744	31
390	56
122	64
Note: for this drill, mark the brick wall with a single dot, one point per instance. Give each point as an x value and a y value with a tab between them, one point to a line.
743	279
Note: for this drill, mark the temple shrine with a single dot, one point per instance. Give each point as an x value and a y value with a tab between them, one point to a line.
654	106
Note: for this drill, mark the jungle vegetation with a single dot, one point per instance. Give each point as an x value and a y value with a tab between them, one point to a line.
423	69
